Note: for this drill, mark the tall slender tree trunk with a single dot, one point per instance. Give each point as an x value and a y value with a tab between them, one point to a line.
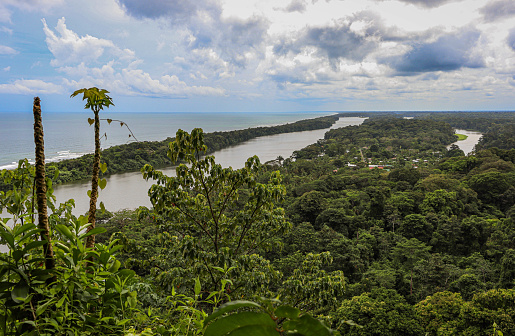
90	242
40	182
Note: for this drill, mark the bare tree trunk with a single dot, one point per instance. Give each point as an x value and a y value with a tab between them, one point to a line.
90	242
40	182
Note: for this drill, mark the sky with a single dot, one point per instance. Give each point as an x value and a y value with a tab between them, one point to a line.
259	55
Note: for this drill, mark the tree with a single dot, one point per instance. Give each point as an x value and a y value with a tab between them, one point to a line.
381	312
214	220
96	100
307	207
440	313
416	226
408	253
454	150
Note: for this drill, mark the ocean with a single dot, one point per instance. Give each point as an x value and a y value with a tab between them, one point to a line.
69	135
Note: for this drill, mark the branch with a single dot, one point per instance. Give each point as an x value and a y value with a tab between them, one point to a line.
195	221
246	227
211	210
122	123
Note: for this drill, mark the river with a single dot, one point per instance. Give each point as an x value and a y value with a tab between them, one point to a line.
129	190
467	145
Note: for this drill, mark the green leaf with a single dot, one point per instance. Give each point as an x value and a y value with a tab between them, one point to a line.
102	183
307	325
65	231
109	121
230	306
20	292
6	285
245	323
103	167
287	312
126	274
94	231
41	309
102	207
89	193
24	228
115	266
8	237
17	255
33	245
197	286
60	302
91	121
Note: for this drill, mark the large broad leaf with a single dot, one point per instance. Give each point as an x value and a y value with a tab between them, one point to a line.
230	306
65	231
34	245
287	312
24	228
245	323
8	237
20	292
308	326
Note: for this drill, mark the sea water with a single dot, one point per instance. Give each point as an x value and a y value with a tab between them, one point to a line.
69	135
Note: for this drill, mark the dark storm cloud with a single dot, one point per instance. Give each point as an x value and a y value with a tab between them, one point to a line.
499	9
333	42
511	39
449	52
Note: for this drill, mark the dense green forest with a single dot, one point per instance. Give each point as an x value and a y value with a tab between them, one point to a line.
377	229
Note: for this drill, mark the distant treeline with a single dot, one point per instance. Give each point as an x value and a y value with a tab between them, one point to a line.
498	127
132	156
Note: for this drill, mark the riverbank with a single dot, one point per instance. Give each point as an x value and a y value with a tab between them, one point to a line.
132	156
129	190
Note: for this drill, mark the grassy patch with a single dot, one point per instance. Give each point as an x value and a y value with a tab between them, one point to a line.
462	137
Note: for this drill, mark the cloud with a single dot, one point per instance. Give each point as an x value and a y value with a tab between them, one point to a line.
511	39
131	81
5	50
179	11
296	6
334	42
69	48
449	52
426	3
30	86
499	9
240	40
26	5
7	68
5	29
77	57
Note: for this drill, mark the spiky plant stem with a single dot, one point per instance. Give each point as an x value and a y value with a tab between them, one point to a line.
40	182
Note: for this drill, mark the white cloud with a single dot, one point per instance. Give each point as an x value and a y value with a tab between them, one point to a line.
25	5
30	86
5	50
7	68
5	29
69	48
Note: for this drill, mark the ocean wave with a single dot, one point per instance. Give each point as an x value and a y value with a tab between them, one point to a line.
61	155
